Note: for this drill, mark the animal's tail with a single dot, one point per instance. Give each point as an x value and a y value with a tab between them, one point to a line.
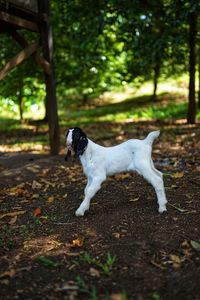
151	137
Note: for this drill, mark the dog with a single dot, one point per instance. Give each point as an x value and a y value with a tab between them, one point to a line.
99	162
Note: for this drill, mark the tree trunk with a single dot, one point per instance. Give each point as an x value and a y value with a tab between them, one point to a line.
20	99
51	102
192	62
199	77
155	79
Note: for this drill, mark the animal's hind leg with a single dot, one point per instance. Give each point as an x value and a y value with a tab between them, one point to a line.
154	169
155	178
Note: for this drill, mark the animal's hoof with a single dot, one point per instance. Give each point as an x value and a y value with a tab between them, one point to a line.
162	209
79	213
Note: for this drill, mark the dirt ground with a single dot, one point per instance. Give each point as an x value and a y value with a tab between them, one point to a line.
122	248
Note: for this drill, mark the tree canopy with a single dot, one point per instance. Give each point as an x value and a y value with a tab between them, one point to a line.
99	45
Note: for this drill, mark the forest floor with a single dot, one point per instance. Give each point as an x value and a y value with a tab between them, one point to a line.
122	248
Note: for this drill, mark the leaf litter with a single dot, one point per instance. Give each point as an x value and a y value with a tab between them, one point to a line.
150	241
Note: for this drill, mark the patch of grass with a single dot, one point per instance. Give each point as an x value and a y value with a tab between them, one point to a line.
156	296
105	267
85	289
9	124
166	107
47	262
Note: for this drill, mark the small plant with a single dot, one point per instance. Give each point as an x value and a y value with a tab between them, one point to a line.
87	258
156	296
124	296
47	262
105	267
85	289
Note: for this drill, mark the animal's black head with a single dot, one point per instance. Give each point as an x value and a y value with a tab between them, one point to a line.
76	140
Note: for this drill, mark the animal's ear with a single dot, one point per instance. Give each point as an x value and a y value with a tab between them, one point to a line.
68	155
81	145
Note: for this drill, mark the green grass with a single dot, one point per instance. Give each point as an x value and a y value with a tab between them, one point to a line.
105	267
131	104
167	107
126	105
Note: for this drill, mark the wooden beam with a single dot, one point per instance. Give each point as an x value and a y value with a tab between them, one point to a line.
18	21
18	59
43	63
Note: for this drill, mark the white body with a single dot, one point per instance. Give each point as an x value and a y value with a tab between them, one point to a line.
133	155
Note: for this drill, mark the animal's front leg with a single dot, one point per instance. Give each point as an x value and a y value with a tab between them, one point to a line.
89	180
90	190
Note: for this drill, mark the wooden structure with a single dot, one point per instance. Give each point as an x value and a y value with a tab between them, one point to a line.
33	15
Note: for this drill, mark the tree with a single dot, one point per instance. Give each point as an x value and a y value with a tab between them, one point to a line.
192	65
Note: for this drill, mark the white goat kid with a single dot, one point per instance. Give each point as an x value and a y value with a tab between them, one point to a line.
99	162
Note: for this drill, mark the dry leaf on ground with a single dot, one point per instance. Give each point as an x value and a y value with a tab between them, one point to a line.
78	242
13	214
50	199
94	272
177	175
13	220
37	212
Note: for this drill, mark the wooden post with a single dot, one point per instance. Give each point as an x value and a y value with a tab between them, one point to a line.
47	45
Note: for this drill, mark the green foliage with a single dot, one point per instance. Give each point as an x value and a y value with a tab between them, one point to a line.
99	46
105	267
85	289
47	262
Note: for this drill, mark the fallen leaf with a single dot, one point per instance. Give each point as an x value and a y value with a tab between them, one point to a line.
36	184
9	273
78	242
195	245
94	272
72	267
53	245
35	196
185	244
16	191
174	186
37	212
122	176
68	286
117	235
154	263
13	214
177	175
5	281
13	220
176	260
134	200
50	199
189	196
117	297
74	253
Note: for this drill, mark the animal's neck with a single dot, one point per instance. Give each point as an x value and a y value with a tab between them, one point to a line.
87	152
